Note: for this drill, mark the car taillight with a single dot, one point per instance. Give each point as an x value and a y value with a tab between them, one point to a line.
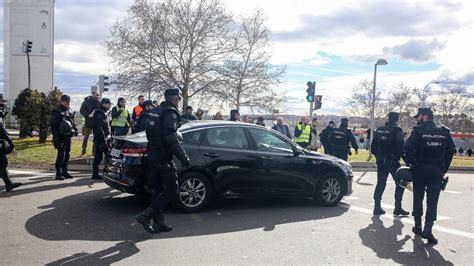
134	152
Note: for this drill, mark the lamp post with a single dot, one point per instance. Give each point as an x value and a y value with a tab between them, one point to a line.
380	62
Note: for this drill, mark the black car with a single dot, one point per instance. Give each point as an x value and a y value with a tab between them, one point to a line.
231	159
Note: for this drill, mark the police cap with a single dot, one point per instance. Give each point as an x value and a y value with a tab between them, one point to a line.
105	101
147	103
65	98
393	116
344	121
171	92
424	111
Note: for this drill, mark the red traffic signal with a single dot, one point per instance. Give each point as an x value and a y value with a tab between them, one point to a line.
318	102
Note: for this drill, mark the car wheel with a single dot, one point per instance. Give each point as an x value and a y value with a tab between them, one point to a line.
194	192
329	190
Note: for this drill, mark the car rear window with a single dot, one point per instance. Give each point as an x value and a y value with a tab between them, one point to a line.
227	137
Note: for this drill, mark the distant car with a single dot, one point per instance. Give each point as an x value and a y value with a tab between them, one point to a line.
231	159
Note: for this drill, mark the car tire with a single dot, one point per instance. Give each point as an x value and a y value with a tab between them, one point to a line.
329	190
194	192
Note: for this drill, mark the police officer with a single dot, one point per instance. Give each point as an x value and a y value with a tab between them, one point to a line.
142	121
428	151
339	140
101	135
6	147
163	143
324	137
63	129
387	147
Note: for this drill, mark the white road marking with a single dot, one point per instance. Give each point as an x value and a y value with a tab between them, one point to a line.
391	207
351	198
410	221
452	192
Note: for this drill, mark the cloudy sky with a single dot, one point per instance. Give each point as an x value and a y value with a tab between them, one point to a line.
334	43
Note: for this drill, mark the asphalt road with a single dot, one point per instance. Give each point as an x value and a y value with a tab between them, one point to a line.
81	221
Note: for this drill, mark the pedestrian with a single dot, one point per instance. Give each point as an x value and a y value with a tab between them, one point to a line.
245	119
324	137
469	152
260	121
101	135
187	115
90	104
63	129
120	118
340	138
144	118
281	127
218	116
313	144
6	147
428	151
199	113
387	146
234	115
303	133
461	151
137	110
163	144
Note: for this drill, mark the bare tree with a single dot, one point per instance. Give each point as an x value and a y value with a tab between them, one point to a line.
248	74
361	100
172	43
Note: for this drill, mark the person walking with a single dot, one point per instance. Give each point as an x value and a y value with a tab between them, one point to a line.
387	147
282	127
63	129
303	133
324	137
90	104
429	151
340	138
163	144
101	135
6	147
120	118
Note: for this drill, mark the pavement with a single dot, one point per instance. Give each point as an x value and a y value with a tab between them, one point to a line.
81	221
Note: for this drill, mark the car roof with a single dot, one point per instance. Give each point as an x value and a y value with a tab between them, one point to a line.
209	123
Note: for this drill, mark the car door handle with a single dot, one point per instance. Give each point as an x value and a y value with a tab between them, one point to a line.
266	157
211	154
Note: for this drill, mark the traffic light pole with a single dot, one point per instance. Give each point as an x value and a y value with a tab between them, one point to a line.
29	70
311	109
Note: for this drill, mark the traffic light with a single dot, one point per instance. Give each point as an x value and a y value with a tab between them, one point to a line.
103	83
310	91
318	102
29	45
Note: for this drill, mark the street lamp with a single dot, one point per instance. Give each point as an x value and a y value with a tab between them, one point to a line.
380	62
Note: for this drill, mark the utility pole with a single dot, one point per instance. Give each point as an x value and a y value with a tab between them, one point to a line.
27	49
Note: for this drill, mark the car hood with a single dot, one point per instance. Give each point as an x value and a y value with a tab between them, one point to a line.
324	157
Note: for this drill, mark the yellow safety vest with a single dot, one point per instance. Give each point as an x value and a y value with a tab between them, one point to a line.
121	120
304	137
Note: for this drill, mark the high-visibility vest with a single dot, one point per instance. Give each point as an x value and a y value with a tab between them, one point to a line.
137	110
305	134
121	120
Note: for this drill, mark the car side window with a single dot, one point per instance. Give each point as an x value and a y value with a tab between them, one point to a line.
227	137
193	137
269	142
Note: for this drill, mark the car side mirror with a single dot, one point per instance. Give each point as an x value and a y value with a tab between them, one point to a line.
298	152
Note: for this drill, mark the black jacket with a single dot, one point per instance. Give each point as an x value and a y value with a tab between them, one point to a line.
100	126
388	142
57	116
88	106
142	121
287	129
340	138
429	144
324	136
4	136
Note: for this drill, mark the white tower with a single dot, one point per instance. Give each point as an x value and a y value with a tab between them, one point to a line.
28	20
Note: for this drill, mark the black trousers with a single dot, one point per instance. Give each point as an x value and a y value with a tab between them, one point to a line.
99	154
3	169
343	155
163	177
427	178
62	158
384	168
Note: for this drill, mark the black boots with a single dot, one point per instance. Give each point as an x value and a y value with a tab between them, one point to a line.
58	175
96	176
428	235
153	221
378	208
399	210
417	228
65	174
10	186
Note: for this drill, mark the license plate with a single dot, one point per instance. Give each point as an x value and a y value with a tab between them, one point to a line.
115	152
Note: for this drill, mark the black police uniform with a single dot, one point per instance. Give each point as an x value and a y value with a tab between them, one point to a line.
7	147
387	147
324	137
163	143
101	133
63	129
428	151
339	140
